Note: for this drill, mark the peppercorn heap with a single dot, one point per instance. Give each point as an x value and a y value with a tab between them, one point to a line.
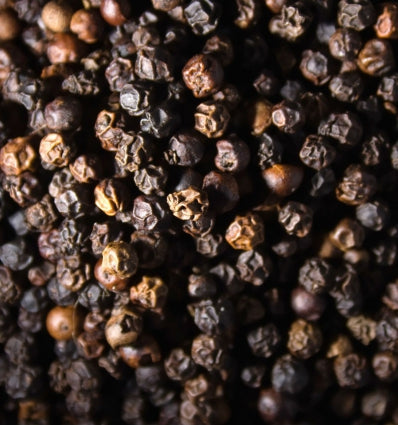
198	212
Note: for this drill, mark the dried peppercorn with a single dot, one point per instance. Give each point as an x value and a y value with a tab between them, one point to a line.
185	149
283	179
62	322
317	153
245	232
288	116
111	196
386	24
222	191
87	25
56	16
143	352
17	156
64	48
188	204
63	114
346	128
356	14
119	259
351	370
347	234
356	187
259	116
56	151
376	58
307	305
211	119
305	339
296	218
154	64
385	365
150	293
123	328
316	276
264	340
41	216
315	67
289	375
346	86
345	44
254	267
203	74
115	12
202	16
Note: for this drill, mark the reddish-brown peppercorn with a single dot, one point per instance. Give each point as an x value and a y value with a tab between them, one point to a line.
387	22
62	322
211	119
275	6
150	293
56	16
110	196
9	25
115	12
245	232
17	156
283	179
203	74
56	151
123	328
64	48
108	280
340	346
119	259
143	352
347	234
376	58
260	116
188	204
87	25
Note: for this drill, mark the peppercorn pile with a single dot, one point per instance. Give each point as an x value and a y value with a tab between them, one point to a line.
199	219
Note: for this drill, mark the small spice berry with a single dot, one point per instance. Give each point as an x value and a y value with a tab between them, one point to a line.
17	156
283	179
115	12
111	196
56	151
64	48
351	370
305	339
165	5
87	25
63	114
347	234
307	305
259	116
345	44
62	322
119	259
264	340
56	16
10	25
233	155
317	153
143	352
288	116
315	67
222	190
108	280
376	58
123	328
203	74
296	218
211	119
386	25
356	14
188	204
245	232
150	293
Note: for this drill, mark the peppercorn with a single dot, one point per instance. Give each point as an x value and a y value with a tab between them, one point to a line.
56	151
144	351
245	232
296	218
386	24
119	259
376	58
10	25
288	116
211	119
62	322
305	339
188	204
356	14
150	293
17	156
283	179
111	196
123	328
222	191
356	187
64	48
87	25
115	12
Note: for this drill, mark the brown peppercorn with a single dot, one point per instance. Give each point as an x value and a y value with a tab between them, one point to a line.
305	339
73	272
56	16
115	12
387	22
87	25
10	25
340	346
188	204
351	370
123	328
260	116
347	234
376	58
41	216
363	328
275	6
296	218
245	232
17	156
150	293
283	179
166	5
233	155
385	366
356	187
109	281
86	168
211	119
203	74
144	352
288	116
64	48
120	259
111	196
56	151
62	322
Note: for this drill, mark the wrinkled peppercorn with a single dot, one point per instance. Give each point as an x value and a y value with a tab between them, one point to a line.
119	259
245	232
